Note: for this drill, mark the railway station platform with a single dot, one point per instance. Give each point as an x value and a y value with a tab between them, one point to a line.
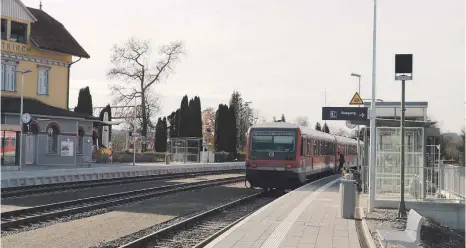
307	217
42	174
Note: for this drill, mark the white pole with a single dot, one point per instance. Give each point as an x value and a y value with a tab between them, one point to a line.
373	116
21	122
134	131
358	166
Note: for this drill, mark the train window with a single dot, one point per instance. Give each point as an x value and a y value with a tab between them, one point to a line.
326	148
302	146
308	148
315	147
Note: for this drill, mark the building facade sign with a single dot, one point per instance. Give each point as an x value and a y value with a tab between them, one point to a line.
13	47
66	148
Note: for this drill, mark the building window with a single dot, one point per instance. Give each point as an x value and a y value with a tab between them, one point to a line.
80	141
8	77
43	81
4	29
18	32
52	140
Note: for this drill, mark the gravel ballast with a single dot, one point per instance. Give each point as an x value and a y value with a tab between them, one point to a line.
433	235
99	229
14	203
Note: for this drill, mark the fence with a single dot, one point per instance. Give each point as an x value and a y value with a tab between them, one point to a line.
439	183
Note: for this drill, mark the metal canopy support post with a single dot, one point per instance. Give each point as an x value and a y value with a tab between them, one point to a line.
402	207
134	130
373	116
359	133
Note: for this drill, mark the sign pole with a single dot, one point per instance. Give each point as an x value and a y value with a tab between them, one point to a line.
373	116
359	134
403	72
134	131
402	206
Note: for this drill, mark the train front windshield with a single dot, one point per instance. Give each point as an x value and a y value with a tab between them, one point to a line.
272	144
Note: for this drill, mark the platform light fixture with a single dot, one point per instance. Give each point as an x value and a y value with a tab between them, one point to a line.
21	115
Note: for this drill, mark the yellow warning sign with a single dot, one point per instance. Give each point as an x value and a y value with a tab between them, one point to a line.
356	100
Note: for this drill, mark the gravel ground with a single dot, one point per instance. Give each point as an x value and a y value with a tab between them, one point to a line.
432	235
14	203
198	232
111	225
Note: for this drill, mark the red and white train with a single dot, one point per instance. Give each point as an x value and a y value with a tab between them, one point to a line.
283	155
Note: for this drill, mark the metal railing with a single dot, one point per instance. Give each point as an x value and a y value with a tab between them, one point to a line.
437	183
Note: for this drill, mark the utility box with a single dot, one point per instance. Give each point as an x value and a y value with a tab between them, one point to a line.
348	198
357	178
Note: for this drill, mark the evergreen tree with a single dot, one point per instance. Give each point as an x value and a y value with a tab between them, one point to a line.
221	128
241	118
318	127
183	118
197	117
171	119
232	132
164	134
158	135
325	128
84	105
178	123
283	118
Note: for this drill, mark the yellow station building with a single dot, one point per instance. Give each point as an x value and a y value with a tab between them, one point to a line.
34	41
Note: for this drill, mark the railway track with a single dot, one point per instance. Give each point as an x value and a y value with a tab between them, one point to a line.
28	216
201	229
59	187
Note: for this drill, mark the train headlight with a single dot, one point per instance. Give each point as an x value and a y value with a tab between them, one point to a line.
288	166
254	165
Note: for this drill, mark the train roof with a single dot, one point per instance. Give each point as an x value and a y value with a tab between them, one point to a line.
346	140
309	132
275	125
306	131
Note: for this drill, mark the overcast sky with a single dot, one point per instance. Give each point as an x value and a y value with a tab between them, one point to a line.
281	55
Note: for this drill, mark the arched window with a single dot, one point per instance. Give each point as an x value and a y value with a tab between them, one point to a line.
52	139
80	140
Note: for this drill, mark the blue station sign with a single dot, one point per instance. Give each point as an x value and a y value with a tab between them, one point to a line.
344	113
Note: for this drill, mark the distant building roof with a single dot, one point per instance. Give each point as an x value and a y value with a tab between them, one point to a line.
49	34
36	107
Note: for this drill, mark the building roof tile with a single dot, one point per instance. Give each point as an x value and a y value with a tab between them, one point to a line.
49	34
36	107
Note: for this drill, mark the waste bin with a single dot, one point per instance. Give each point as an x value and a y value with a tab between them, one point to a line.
348	198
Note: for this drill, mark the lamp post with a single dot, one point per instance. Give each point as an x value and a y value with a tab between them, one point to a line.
248	113
21	115
134	129
359	92
373	116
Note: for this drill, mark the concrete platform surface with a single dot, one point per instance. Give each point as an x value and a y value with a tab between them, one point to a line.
305	218
38	174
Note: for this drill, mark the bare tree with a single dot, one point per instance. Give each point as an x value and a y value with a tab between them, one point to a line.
131	66
302	121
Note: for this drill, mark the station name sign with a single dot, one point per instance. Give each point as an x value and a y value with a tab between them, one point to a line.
344	113
13	47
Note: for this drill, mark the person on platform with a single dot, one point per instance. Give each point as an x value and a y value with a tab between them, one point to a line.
342	161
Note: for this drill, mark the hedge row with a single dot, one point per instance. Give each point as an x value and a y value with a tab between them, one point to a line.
127	157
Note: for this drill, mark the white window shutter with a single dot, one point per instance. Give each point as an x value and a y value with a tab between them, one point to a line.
39	82
46	82
3	76
43	82
10	82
